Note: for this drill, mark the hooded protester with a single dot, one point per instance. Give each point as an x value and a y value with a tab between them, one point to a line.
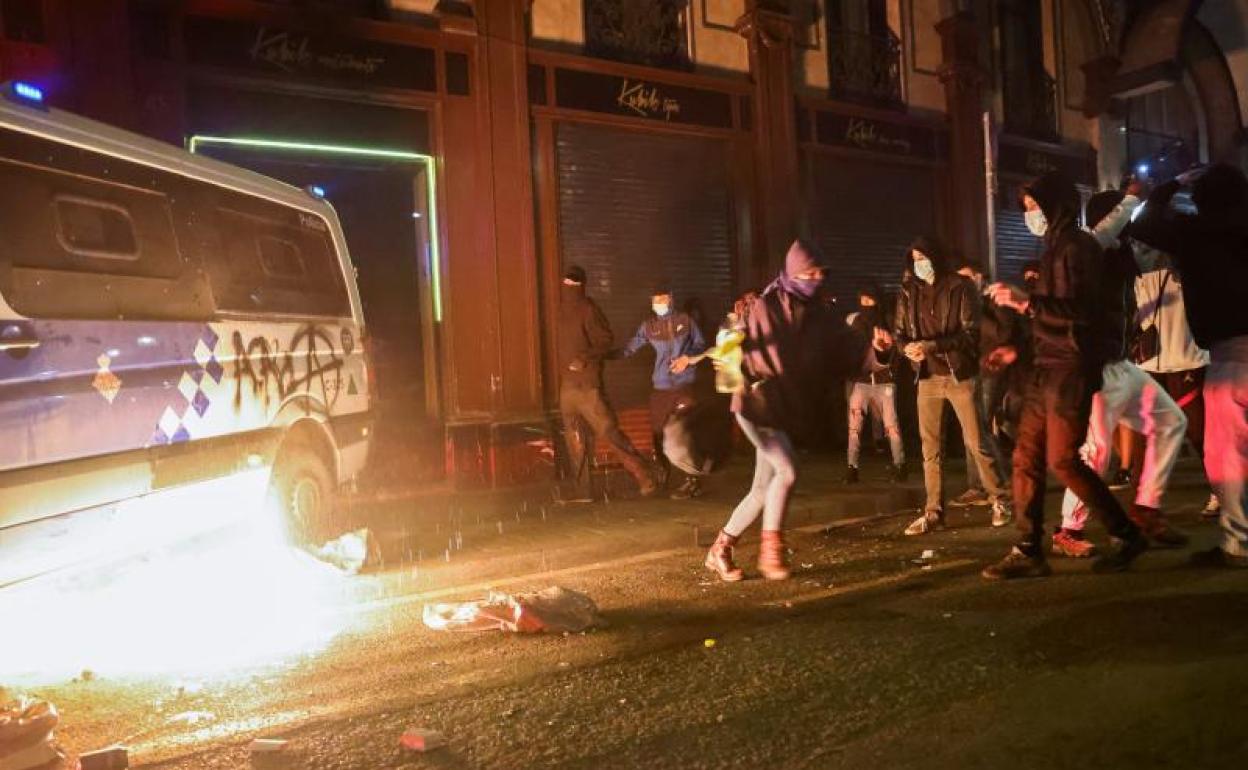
937	328
872	387
1210	251
786	364
1128	396
673	335
1057	400
584	342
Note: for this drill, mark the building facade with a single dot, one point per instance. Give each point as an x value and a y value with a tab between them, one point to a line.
476	147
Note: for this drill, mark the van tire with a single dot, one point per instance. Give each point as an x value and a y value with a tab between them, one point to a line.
304	495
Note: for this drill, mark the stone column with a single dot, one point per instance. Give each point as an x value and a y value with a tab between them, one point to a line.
964	81
769	29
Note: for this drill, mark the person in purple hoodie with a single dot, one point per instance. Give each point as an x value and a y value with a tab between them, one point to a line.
786	356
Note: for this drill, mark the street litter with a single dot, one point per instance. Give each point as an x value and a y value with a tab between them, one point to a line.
26	735
193	717
112	758
267	745
925	557
419	739
552	610
351	552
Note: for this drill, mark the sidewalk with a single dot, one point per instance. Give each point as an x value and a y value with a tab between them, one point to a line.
473	538
439	541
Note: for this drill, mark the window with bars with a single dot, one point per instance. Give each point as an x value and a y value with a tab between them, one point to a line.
1028	90
864	54
650	32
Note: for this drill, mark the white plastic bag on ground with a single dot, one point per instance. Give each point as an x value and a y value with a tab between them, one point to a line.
349	553
553	610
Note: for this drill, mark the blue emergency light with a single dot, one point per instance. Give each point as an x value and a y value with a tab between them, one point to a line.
26	93
1142	169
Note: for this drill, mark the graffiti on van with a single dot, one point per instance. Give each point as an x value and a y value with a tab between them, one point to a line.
271	369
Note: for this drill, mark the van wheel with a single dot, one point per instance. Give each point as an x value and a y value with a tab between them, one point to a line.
304	495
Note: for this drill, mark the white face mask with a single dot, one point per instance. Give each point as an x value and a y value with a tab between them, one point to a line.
1036	222
924	270
661	310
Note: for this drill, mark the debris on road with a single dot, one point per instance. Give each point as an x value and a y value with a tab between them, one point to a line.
553	610
351	552
26	739
267	745
111	758
924	557
420	739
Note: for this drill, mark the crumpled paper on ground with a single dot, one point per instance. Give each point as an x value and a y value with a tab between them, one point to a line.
350	552
552	610
26	735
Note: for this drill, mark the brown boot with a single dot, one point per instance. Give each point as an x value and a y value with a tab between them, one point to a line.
771	556
1152	523
719	559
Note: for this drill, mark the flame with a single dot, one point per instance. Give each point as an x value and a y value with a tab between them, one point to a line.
232	599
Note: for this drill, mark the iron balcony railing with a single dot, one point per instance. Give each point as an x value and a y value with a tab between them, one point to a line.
1031	104
864	68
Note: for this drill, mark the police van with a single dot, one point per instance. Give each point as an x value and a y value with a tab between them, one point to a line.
179	339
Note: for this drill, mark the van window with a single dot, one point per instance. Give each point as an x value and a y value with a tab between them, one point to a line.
95	229
84	235
274	258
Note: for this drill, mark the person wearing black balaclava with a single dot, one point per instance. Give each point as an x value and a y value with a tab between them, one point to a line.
786	364
1057	402
584	341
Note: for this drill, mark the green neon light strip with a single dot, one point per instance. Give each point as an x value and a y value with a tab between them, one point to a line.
435	268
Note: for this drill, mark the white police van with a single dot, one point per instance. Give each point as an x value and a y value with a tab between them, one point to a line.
169	325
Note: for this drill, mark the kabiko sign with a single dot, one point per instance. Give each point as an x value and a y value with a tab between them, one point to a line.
877	136
290	53
616	95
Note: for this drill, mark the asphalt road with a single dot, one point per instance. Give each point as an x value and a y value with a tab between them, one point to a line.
872	656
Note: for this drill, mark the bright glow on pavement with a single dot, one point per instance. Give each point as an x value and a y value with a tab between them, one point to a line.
230	600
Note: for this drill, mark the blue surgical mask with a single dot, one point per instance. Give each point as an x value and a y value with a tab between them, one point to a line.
661	310
1037	223
924	270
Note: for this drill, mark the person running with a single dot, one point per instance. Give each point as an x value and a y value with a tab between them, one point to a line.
998	327
1067	369
785	357
1210	251
872	388
584	341
1172	357
937	327
1128	396
673	335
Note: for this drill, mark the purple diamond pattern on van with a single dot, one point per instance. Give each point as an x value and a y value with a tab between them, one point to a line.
211	365
191	397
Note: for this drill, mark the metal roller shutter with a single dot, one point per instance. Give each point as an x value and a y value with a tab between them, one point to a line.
1015	245
864	214
636	208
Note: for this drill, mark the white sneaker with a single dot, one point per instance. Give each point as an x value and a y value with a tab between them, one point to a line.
928	522
1002	513
1213	508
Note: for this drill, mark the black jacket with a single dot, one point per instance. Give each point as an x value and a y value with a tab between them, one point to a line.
1068	320
1210	251
585	339
957	312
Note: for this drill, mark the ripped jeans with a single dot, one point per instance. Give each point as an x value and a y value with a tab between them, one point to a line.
882	398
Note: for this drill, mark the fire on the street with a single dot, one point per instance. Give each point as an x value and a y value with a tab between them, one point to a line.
228	600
